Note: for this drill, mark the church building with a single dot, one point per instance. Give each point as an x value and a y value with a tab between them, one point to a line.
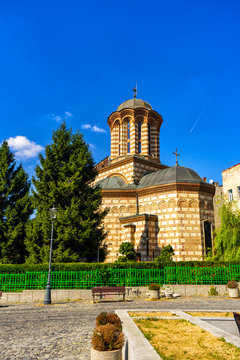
150	204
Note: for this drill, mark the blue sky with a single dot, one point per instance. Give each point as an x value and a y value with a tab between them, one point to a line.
81	60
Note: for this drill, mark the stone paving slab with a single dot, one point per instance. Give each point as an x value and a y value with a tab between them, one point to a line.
62	331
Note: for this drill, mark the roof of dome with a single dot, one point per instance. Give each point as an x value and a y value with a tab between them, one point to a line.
174	174
114	182
134	104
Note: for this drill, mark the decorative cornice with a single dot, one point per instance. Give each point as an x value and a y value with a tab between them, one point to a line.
147	114
134	159
140	217
188	187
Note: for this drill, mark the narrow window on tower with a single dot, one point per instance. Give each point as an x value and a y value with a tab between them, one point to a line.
149	139
119	139
128	137
139	137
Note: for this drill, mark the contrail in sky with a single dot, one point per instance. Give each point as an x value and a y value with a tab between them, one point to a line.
201	114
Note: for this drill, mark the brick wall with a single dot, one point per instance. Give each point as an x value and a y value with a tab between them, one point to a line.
178	221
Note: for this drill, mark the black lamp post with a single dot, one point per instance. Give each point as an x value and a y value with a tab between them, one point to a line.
47	298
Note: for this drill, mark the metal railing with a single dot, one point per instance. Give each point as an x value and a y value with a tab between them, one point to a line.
119	277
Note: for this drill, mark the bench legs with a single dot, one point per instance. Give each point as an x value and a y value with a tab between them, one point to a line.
124	300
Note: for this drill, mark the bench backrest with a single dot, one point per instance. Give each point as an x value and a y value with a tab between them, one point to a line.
109	289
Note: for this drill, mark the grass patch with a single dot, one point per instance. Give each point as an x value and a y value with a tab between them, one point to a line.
210	314
175	339
151	314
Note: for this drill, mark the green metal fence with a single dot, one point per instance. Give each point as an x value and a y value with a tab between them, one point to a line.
119	277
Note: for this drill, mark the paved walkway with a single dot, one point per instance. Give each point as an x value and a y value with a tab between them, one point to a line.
62	331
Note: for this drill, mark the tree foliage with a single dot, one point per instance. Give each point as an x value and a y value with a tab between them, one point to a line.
128	252
15	207
166	256
227	239
64	179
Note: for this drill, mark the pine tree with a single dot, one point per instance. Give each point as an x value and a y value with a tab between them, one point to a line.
64	179
15	207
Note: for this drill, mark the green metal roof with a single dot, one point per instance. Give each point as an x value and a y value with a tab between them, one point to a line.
134	104
175	174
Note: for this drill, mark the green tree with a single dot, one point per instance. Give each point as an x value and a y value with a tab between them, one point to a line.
128	252
64	179
227	238
166	255
15	207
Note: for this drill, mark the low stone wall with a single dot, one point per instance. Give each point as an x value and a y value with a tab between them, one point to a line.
28	296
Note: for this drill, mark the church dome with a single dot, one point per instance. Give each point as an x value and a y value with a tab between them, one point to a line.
174	174
134	104
112	183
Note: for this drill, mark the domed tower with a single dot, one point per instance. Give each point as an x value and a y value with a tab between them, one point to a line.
135	129
150	204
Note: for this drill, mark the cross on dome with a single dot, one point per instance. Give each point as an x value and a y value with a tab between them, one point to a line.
176	153
135	91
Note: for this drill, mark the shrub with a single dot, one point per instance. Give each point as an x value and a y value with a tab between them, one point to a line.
166	256
109	318
154	287
127	250
213	291
23	268
101	319
107	337
232	285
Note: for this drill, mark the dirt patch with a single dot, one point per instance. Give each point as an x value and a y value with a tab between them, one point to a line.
210	314
151	314
181	340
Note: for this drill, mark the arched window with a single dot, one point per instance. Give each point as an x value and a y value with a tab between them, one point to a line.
139	137
119	139
207	235
128	137
149	139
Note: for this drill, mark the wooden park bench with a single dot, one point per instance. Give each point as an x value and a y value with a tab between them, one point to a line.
108	290
237	320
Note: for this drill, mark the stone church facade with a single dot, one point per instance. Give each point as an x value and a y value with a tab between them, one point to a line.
150	204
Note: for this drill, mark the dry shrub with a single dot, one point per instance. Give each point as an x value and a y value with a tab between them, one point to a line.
101	319
109	318
107	337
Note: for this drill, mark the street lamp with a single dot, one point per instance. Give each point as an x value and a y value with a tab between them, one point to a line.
47	298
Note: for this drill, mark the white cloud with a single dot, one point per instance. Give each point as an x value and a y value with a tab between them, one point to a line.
86	126
24	148
92	146
60	118
93	128
97	129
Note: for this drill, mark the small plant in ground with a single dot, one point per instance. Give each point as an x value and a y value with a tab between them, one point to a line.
107	338
154	287
213	291
166	256
232	285
128	252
